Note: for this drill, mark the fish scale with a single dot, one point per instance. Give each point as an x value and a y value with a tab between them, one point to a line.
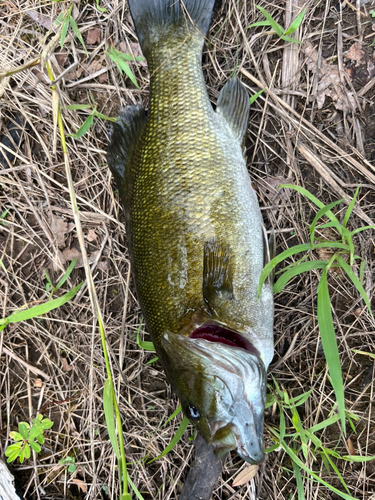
195	230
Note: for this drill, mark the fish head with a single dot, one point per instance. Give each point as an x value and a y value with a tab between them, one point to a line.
222	390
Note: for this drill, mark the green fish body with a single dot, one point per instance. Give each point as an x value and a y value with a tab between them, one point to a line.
195	231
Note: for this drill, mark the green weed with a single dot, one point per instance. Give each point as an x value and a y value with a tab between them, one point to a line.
279	30
90	119
27	438
343	251
296	440
120	59
65	20
70	462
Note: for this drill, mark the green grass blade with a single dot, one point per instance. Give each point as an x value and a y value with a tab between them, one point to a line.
300	489
181	429
255	96
332	464
326	423
364	353
295	23
298	269
108	395
355	281
79	106
76	31
358	230
350	208
134	488
64	30
35	311
301	465
66	275
268	268
259	23
331	352
146	345
174	414
299	400
312	198
297	424
320	214
276	27
358	458
84	127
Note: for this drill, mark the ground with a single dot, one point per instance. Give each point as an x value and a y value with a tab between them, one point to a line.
313	125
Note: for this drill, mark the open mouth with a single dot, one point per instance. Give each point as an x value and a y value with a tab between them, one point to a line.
214	332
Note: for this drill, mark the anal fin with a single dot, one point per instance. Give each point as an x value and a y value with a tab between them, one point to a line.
217	273
124	136
234	105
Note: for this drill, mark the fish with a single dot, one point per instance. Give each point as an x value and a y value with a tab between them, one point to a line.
195	232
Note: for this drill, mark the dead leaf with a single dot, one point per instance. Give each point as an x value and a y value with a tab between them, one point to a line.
81	484
329	83
58	228
355	53
351	447
268	187
40	19
62	58
38	383
93	36
72	253
91	235
245	475
66	366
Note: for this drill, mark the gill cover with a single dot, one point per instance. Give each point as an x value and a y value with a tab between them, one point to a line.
226	386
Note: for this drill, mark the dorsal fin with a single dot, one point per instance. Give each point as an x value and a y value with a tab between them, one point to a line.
217	273
124	136
234	105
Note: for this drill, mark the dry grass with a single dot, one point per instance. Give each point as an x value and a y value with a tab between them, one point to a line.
292	135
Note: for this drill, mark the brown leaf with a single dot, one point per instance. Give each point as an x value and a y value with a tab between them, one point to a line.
330	83
40	19
355	53
81	484
71	253
93	36
62	58
58	228
38	383
66	366
91	235
245	475
351	447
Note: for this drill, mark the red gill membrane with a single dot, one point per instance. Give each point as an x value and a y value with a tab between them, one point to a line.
217	333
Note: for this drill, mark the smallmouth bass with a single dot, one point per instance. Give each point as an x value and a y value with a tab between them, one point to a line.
195	231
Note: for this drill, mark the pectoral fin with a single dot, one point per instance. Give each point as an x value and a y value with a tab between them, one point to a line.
269	252
234	105
124	135
217	273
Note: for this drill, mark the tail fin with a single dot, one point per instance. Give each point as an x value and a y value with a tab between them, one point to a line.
156	19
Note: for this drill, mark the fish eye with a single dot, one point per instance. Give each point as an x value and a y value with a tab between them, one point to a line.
192	413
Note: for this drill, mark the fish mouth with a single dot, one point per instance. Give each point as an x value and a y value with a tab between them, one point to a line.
214	332
226	437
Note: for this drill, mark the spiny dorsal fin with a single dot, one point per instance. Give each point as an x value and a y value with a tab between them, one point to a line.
124	135
217	273
234	105
269	252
